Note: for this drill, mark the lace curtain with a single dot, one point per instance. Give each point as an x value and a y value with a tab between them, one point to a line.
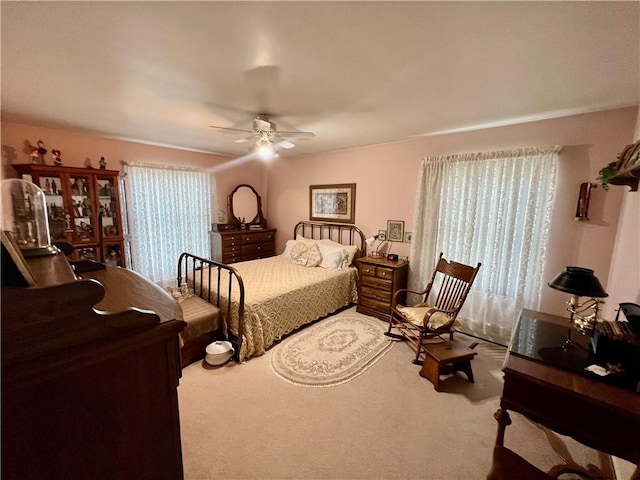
168	211
493	208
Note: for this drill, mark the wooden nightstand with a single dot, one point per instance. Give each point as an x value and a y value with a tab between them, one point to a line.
378	280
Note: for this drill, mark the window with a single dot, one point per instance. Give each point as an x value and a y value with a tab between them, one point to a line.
492	208
168	211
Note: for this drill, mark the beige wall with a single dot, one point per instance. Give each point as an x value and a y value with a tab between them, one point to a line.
624	284
385	177
75	148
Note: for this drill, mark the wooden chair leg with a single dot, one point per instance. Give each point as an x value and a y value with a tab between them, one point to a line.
503	418
466	368
418	349
390	334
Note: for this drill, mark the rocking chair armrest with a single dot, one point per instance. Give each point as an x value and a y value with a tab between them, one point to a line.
396	295
401	291
443	328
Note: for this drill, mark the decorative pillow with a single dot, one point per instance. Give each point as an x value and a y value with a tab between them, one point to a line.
417	315
313	256
287	248
310	257
298	249
332	257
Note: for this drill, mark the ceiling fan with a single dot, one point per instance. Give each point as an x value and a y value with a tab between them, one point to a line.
265	139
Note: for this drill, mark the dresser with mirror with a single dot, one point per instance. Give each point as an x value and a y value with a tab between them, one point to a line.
246	235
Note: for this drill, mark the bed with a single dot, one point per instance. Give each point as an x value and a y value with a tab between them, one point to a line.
271	297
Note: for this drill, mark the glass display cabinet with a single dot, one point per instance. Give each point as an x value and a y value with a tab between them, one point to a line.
83	207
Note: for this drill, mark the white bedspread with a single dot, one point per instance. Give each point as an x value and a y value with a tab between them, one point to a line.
281	296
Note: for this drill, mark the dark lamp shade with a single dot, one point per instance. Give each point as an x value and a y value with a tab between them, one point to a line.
578	281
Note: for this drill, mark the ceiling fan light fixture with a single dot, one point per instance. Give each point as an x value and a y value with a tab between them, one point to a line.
264	150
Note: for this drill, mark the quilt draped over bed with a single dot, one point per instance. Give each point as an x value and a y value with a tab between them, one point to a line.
281	296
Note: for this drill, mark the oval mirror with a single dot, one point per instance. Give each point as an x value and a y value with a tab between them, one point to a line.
245	205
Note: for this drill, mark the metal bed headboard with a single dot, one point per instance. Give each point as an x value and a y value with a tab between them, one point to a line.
344	233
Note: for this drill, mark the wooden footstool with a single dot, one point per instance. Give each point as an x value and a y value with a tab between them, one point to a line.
445	358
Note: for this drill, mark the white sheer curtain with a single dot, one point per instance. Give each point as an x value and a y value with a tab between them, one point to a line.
168	211
492	208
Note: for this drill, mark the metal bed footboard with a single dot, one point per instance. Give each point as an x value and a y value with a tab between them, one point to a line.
192	267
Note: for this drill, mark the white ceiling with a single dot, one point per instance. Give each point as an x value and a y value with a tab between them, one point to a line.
354	73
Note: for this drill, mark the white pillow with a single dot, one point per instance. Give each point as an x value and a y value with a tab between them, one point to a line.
332	257
309	241
349	249
287	248
351	253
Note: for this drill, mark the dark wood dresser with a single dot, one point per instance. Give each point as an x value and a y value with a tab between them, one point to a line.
86	393
231	246
378	280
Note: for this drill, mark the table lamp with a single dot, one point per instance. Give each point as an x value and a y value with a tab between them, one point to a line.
370	242
580	282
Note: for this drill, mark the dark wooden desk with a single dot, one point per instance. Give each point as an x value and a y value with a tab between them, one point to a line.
87	393
596	414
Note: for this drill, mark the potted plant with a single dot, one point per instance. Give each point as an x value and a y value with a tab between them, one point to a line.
606	173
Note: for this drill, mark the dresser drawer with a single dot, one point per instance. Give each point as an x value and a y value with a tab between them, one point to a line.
235	248
230	240
377	305
256	256
384	272
255	237
375	294
254	248
232	257
369	270
375	282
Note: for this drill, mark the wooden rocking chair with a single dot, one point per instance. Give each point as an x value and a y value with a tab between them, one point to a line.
437	316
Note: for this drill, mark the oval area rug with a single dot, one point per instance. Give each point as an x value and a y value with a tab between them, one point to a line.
331	352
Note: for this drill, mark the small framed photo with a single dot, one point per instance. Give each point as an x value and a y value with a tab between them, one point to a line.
407	237
382	235
333	203
395	230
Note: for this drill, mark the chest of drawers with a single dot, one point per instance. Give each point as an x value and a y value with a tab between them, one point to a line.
231	246
378	280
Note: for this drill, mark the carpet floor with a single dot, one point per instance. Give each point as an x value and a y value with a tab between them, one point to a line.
244	422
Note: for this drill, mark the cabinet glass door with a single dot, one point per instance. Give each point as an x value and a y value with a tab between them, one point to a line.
84	228
108	208
59	218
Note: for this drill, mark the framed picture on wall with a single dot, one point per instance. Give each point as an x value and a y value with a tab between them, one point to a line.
395	230
333	203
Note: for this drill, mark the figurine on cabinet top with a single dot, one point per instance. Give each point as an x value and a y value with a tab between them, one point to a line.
41	151
103	163
57	161
33	154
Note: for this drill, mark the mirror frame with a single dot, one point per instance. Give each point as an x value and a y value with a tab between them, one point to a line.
258	219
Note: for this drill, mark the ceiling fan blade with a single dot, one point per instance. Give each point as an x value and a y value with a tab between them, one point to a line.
285	144
230	130
296	134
